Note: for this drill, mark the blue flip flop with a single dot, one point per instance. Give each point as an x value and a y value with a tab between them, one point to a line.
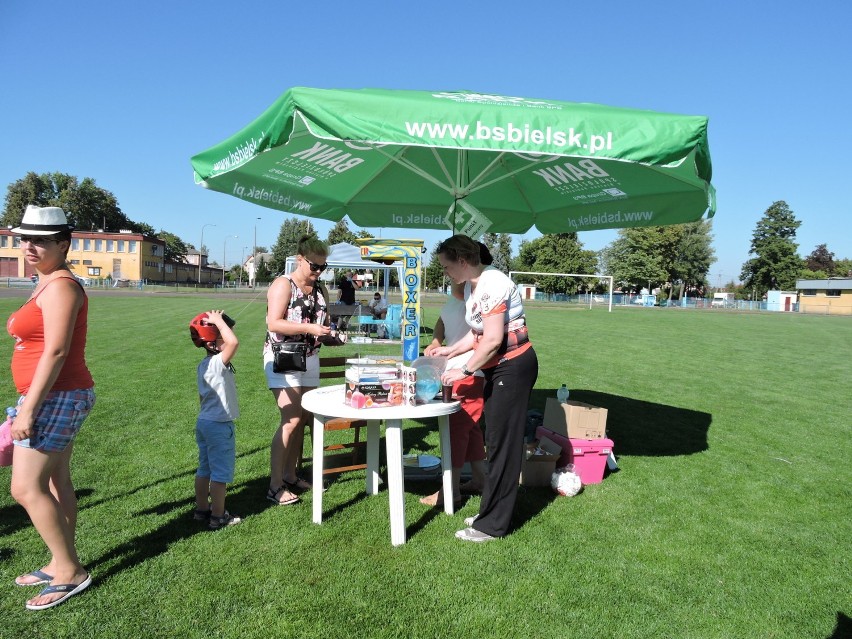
69	589
43	578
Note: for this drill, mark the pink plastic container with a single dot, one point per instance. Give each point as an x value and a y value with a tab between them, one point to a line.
589	458
6	445
588	455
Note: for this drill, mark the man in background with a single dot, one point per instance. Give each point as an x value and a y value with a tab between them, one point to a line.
348	284
378	307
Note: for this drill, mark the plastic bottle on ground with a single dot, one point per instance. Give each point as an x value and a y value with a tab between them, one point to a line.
562	394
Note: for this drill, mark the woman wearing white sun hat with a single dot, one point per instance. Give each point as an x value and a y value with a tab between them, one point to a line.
57	392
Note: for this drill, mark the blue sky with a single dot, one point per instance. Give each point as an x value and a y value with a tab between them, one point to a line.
125	93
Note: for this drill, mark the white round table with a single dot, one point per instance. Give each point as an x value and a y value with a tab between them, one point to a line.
328	403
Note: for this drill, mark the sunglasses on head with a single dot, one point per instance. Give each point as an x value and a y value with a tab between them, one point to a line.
37	240
316	268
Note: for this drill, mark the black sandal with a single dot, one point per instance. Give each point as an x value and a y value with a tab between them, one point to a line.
272	495
293	486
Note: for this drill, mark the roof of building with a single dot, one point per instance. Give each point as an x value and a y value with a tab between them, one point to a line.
831	284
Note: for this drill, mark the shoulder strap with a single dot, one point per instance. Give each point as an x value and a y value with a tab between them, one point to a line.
324	291
292	285
56	279
289	303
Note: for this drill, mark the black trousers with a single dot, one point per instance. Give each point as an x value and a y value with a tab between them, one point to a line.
507	392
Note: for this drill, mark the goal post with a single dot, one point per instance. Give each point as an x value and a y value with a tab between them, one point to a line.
584	275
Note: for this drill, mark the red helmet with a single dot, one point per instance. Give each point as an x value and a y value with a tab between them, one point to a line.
201	331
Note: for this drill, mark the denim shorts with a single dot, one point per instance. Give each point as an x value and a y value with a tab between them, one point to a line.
217	450
58	420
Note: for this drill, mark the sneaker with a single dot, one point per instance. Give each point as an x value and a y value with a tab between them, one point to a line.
201	515
225	520
472	534
468	521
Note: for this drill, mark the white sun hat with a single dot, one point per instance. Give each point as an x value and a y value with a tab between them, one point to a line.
43	220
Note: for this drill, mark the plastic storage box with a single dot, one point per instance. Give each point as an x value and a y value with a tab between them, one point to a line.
588	455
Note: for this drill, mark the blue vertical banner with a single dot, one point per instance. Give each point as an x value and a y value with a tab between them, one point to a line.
387	251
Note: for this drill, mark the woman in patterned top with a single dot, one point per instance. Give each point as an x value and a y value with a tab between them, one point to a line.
297	309
502	351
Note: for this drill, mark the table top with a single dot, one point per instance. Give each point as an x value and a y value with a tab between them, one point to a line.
328	401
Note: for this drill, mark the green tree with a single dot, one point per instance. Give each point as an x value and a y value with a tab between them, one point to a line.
843	268
340	233
691	256
264	274
660	256
176	248
292	230
775	264
557	253
433	273
500	246
86	205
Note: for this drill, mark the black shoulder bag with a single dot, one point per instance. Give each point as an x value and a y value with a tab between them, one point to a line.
291	357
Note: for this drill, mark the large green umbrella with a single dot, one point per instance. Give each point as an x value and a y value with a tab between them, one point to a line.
468	161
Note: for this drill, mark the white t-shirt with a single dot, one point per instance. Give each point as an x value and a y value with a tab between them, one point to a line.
496	294
217	390
378	304
455	329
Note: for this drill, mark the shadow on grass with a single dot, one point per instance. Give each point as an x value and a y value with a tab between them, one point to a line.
244	499
843	629
642	428
184	474
14	517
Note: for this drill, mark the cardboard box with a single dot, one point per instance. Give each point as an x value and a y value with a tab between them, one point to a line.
575	419
560	440
536	470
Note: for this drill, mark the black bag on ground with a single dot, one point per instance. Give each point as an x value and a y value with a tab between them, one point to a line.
288	357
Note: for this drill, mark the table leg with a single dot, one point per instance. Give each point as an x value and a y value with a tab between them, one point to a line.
373	439
396	485
317	454
446	463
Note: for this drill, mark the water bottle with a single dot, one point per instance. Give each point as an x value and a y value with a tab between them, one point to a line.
11	412
562	394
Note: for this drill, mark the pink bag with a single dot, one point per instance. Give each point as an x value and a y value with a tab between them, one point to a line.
6	445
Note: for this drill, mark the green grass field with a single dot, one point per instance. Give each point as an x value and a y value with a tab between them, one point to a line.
729	517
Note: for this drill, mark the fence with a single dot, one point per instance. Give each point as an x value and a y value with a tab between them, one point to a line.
642	300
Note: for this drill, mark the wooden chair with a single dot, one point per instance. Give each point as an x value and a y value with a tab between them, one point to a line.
341	462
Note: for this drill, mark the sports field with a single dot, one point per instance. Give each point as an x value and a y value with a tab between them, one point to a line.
730	516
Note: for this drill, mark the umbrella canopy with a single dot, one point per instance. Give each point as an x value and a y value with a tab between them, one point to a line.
467	161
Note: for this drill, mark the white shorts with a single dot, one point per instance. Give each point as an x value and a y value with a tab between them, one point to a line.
297	379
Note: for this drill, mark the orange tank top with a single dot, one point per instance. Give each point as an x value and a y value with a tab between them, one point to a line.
26	325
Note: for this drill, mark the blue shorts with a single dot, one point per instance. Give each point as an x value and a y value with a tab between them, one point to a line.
217	450
58	420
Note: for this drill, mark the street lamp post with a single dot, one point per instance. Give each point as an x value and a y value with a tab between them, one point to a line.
200	248
224	257
242	266
254	257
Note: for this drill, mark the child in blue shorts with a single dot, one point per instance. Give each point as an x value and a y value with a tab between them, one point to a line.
214	430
